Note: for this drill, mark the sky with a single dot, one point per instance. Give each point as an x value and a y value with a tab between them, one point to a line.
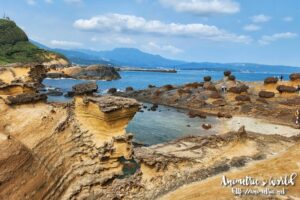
225	31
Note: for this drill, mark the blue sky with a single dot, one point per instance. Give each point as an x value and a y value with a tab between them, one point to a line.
257	31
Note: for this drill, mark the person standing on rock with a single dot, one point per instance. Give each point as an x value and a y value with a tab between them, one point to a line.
281	78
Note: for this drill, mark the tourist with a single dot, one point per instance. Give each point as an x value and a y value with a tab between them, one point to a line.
224	88
281	78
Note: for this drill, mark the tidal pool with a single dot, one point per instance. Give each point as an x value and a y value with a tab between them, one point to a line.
166	124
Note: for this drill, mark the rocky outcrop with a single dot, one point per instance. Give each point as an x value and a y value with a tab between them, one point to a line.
286	89
242	98
266	94
93	72
25	99
238	89
227	73
207	78
271	80
295	77
87	88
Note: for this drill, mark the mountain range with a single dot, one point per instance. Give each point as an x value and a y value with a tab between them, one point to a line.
131	57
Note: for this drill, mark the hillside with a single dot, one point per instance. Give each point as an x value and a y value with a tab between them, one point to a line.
16	48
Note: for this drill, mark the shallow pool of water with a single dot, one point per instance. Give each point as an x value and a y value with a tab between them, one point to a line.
166	124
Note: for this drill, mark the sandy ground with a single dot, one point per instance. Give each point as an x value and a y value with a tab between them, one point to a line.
258	126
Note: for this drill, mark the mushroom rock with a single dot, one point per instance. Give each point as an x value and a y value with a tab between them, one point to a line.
271	80
242	98
207	78
286	89
295	77
129	89
227	73
266	94
238	89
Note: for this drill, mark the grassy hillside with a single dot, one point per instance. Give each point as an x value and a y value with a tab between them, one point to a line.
16	48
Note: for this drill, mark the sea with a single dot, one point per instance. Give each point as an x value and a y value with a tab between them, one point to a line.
166	123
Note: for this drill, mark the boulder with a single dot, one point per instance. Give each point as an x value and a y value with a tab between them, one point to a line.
231	78
209	86
193	114
227	73
129	89
215	95
112	90
266	94
207	78
151	86
242	98
25	98
287	89
295	77
206	126
271	80
168	87
85	88
57	75
238	89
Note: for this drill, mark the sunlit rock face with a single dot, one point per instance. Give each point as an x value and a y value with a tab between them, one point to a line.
59	151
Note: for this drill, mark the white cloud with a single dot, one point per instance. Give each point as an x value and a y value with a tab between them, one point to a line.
251	27
62	43
118	23
153	47
267	39
288	19
203	7
260	18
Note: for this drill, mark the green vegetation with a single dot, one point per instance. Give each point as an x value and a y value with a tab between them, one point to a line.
16	48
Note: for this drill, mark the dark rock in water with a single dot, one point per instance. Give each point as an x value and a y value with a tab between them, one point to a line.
266	94
25	98
207	78
227	73
151	86
145	107
85	88
238	89
206	126
285	88
154	107
271	80
54	92
231	78
57	75
112	90
193	114
242	98
97	72
129	89
69	94
188	125
141	111
295	76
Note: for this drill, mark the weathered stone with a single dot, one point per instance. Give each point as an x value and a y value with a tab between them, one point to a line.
227	73
57	75
231	78
295	76
287	89
25	98
112	90
206	126
207	78
85	88
266	94
242	98
238	89
129	89
271	80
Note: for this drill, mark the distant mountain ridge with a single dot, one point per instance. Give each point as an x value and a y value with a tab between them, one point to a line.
132	57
